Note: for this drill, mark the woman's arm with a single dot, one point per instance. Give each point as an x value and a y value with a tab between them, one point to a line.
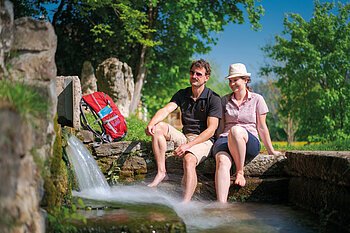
265	134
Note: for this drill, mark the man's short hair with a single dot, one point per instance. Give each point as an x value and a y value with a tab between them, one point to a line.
201	63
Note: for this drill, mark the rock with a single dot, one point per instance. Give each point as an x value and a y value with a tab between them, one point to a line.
68	91
115	79
331	166
88	79
6	33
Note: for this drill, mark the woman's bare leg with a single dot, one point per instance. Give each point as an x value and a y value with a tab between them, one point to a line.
237	140
222	175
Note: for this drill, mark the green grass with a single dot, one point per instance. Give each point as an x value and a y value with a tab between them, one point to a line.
337	145
23	98
136	128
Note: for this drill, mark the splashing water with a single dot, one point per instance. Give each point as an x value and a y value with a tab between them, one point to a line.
93	185
89	176
200	217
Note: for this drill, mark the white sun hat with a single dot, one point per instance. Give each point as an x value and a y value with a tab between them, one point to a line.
237	70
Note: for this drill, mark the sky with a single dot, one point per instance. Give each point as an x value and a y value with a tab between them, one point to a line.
240	43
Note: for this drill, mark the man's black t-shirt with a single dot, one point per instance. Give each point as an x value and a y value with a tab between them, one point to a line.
194	114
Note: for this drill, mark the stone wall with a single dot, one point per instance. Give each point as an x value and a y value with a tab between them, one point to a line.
320	183
135	162
26	143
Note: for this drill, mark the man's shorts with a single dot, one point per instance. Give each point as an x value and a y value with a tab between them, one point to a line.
201	151
252	147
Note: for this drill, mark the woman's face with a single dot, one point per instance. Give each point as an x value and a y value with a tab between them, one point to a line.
237	83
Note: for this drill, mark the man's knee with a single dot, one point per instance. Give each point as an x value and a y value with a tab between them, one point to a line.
189	161
161	129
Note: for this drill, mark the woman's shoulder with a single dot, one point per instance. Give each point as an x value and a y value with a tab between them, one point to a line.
256	95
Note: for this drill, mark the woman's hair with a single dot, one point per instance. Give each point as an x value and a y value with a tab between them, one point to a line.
201	64
248	81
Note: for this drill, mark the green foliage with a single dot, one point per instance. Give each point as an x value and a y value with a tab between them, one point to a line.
274	118
136	130
61	218
26	100
156	38
312	62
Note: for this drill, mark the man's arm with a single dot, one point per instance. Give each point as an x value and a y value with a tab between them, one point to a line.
213	123
160	115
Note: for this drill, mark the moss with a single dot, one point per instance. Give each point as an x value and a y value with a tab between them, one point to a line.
56	182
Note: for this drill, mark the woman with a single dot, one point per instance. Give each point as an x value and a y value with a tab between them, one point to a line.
244	120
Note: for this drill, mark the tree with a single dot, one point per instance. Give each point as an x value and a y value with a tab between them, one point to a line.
156	38
272	96
312	62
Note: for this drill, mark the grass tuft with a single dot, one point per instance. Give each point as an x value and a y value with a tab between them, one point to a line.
23	98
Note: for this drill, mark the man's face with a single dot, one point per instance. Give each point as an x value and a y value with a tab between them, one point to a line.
198	76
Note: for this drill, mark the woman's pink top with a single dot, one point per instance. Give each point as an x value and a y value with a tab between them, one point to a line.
246	114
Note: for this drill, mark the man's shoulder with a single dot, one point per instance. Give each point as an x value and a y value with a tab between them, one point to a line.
213	93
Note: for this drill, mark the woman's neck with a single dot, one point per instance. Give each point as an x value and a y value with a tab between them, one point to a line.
239	95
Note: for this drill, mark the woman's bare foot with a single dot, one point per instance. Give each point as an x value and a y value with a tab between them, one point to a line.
159	178
240	180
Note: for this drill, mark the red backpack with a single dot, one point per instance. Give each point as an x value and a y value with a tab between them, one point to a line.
104	111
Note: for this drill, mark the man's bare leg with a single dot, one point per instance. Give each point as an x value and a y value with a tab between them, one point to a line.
237	140
159	149
190	176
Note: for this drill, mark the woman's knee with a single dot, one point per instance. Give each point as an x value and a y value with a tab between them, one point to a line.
223	160
238	132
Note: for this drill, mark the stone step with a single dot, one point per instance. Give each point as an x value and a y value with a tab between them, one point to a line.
331	166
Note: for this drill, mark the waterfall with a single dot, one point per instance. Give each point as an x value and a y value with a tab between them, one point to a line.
88	174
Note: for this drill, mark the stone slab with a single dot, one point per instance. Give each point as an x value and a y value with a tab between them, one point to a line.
69	95
332	166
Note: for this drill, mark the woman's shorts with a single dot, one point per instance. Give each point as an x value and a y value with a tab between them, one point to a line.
252	149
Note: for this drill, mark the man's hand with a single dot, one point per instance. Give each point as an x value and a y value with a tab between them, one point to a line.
181	150
150	129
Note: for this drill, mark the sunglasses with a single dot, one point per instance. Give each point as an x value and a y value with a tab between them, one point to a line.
198	74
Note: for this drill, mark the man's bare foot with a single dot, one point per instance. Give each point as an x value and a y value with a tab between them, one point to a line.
159	178
240	180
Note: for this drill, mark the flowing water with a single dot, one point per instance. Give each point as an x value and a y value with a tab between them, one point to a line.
198	216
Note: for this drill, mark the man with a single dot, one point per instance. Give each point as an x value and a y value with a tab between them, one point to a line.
200	114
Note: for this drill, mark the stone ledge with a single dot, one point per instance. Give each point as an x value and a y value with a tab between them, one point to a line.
332	166
261	166
125	147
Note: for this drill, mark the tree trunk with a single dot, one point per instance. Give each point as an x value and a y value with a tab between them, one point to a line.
140	78
291	129
141	69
